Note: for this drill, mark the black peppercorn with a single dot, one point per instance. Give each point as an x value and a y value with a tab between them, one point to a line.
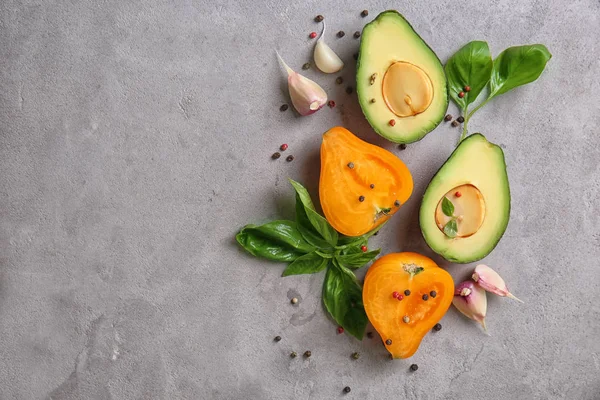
437	327
347	389
277	338
407	292
448	117
306	66
433	293
289	158
397	203
293	354
414	367
341	34
370	335
283	107
349	90
461	119
388	342
372	186
276	155
307	354
425	297
455	123
402	146
319	18
356	35
364	13
355	55
339	80
350	165
355	355
361	198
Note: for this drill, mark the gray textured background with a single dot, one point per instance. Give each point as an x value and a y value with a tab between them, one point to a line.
135	140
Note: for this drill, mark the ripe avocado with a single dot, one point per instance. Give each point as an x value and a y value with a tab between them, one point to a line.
474	180
400	82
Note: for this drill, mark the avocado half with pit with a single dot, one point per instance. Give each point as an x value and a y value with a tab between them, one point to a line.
400	82
474	182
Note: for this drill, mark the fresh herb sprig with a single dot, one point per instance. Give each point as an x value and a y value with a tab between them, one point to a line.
472	68
451	227
310	245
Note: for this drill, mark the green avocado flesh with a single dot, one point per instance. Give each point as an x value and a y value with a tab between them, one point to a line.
387	40
479	163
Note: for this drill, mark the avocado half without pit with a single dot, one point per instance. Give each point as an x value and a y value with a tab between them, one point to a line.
400	81
474	185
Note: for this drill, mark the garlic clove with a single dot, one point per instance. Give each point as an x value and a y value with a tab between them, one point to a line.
307	96
489	280
325	58
471	300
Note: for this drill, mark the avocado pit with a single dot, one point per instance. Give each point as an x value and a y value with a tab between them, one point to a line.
407	90
469	210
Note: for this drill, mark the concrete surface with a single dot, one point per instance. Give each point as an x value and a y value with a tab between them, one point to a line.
135	140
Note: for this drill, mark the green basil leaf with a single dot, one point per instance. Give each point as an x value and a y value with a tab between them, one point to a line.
318	222
308	231
342	297
357	260
323	254
276	240
307	264
518	66
447	207
451	228
345	241
469	66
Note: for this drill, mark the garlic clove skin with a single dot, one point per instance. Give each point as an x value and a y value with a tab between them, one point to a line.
492	282
325	58
307	96
471	301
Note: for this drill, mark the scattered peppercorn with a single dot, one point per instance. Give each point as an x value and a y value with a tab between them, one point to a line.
283	147
289	158
402	146
388	342
355	355
347	389
294	300
331	103
376	233
461	94
395	295
461	119
356	35
350	165
283	107
277	338
361	198
457	194
407	292
319	18
406	319
392	122
467	88
339	80
341	34
370	335
425	297
397	203
312	35
437	327
455	123
448	117
276	155
400	298
364	13
340	330
414	367
349	90
307	354
373	101
363	249
433	293
306	66
293	354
